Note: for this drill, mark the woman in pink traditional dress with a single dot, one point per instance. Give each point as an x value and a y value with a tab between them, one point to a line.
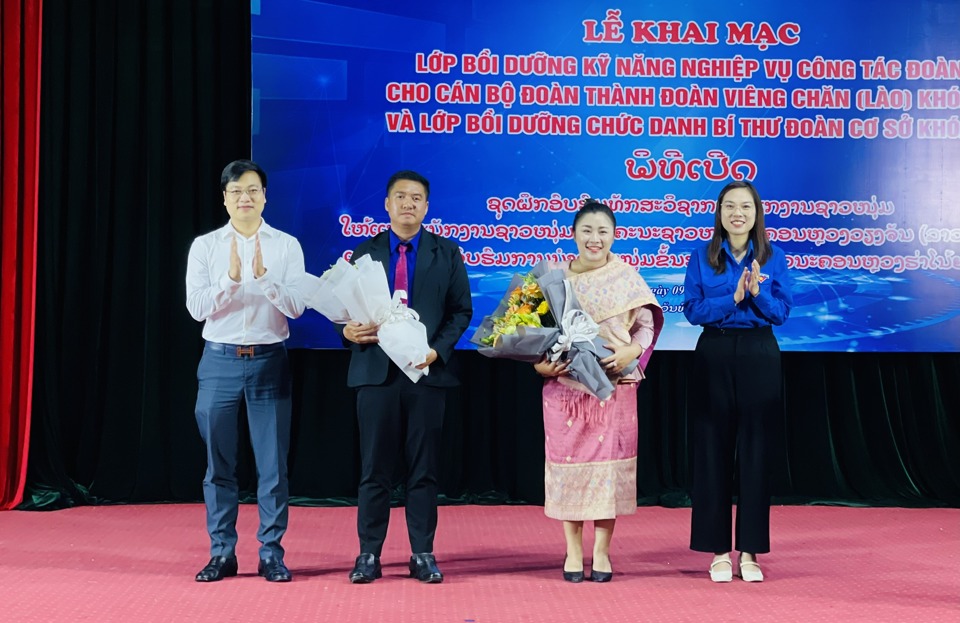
591	445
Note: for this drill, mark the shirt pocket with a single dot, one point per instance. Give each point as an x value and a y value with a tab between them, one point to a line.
717	285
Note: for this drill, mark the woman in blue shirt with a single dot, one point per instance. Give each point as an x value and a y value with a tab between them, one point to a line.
737	287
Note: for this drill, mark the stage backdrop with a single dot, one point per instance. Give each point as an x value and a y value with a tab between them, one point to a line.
844	115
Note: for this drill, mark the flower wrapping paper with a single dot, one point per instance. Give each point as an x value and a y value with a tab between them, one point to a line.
574	338
582	346
360	292
527	343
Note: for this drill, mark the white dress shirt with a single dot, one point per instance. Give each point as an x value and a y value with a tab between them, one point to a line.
253	311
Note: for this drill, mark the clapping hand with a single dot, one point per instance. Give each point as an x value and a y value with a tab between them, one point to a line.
258	269
234	270
753	282
236	267
749	282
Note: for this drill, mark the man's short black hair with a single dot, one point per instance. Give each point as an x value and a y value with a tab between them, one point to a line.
412	176
233	171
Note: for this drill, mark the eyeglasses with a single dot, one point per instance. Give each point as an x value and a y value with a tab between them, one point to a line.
254	192
730	208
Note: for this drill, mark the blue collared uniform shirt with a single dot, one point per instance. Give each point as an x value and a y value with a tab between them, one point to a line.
708	296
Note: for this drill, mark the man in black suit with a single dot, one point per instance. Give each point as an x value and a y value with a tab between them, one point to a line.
395	414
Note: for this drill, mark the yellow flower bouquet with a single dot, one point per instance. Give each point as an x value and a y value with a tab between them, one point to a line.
523	327
540	316
526	306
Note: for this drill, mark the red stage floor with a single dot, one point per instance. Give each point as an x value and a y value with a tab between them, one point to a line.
502	564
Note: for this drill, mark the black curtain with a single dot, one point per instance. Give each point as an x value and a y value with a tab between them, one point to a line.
142	105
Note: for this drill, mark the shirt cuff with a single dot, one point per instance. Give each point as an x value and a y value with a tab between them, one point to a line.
268	286
228	285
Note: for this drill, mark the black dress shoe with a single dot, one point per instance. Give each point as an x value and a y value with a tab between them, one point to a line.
273	570
424	568
572	576
366	569
218	568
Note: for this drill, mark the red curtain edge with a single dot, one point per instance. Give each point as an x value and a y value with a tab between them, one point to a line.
31	66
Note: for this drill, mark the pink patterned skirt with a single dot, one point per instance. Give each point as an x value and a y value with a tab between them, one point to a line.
591	453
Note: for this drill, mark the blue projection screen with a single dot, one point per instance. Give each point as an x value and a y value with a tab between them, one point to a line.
843	114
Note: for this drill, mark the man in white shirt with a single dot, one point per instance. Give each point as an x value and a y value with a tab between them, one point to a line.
240	284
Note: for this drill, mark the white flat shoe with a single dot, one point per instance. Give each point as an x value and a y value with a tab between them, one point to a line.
750	570
721	574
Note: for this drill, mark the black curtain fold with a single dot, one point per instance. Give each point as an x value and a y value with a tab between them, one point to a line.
142	105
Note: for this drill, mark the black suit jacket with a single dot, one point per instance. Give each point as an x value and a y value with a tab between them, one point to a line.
441	296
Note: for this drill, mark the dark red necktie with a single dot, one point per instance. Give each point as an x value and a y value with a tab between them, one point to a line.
400	281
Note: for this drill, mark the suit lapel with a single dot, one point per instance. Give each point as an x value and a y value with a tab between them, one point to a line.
426	258
380	250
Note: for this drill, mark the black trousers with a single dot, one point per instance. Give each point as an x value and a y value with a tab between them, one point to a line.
737	401
399	418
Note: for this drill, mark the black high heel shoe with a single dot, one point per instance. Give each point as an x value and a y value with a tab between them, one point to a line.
572	576
601	576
